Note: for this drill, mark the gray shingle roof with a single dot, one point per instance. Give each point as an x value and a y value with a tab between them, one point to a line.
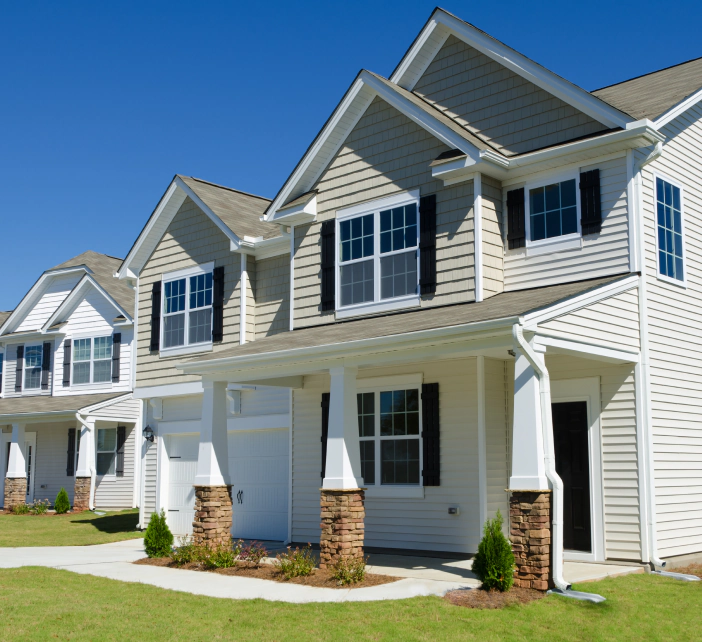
3	316
651	95
41	404
239	211
501	306
103	267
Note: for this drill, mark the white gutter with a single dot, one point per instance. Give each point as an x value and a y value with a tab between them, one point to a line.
647	418
91	503
549	456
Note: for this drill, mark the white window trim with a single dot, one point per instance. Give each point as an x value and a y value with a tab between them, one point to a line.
555	243
3	367
378	305
91	384
664	277
186	348
106	476
24	366
388	384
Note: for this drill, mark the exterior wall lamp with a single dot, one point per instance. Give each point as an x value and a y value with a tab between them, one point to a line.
149	434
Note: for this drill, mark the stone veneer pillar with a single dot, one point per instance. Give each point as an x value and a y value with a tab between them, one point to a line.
213	514
343	525
530	531
15	491
81	494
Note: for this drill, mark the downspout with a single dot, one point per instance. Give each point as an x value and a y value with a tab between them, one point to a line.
643	332
549	456
91	503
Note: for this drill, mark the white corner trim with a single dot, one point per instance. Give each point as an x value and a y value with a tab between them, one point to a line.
169	390
478	236
677	110
244	286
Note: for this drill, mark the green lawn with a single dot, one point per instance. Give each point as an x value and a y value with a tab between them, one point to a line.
38	603
79	529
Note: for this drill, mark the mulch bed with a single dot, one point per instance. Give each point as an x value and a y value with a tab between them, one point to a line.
481	599
319	578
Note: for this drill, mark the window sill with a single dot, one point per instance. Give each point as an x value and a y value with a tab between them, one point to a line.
558	244
395	492
174	352
386	305
666	279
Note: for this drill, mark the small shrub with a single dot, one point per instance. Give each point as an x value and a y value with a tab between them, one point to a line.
39	507
296	562
20	509
186	552
252	553
219	556
494	562
158	538
349	571
61	503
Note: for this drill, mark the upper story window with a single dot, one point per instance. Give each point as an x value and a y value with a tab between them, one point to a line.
670	230
378	254
92	360
187	310
553	210
32	367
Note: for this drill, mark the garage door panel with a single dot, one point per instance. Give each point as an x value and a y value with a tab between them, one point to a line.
260	470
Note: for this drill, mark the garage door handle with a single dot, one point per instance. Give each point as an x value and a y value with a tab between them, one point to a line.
240	497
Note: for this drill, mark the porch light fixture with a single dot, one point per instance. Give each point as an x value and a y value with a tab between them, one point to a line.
148	434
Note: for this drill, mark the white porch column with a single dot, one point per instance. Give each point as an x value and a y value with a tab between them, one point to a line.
86	449
528	467
343	469
213	453
16	465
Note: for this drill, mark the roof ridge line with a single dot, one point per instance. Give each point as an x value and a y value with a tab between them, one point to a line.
650	73
231	189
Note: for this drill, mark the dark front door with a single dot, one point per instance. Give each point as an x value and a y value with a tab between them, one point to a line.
573	466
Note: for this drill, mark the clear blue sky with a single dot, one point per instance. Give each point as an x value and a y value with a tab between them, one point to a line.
102	103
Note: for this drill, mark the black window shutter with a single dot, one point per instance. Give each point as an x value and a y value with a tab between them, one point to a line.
45	365
18	369
431	435
156	317
427	244
71	462
66	363
121	439
116	348
590	202
328	259
516	224
218	304
325	429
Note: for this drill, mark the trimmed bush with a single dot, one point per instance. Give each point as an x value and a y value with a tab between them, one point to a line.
61	503
349	571
20	509
494	563
220	556
158	538
296	562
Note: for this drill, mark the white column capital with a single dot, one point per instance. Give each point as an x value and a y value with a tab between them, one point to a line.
86	447
213	452
16	463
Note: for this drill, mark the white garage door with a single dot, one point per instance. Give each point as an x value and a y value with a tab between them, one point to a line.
182	466
259	464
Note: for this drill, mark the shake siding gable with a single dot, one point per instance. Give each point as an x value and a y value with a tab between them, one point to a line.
511	113
385	154
675	353
191	239
272	296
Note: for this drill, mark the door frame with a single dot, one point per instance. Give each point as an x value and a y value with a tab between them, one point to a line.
588	390
5	440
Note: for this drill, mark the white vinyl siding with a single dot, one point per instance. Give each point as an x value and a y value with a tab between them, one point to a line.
47	301
51	461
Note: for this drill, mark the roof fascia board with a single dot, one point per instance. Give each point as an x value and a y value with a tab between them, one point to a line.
677	110
76	294
38	416
408	72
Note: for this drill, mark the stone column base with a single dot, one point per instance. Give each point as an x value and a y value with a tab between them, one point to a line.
81	494
213	514
530	530
15	491
343	525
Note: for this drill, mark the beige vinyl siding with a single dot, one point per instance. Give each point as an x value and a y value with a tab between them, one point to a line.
493	248
192	239
674	327
405	523
149	482
10	371
508	111
385	154
272	295
619	449
251	307
613	322
126	410
51	460
117	492
47	301
496	438
600	255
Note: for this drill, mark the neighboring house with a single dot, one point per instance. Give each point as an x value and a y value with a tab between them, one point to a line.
495	284
67	417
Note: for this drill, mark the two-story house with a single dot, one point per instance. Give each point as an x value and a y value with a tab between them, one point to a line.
67	417
494	287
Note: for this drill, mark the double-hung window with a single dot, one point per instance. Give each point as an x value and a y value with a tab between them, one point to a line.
389	436
106	451
32	367
553	210
378	255
187	309
670	230
92	360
